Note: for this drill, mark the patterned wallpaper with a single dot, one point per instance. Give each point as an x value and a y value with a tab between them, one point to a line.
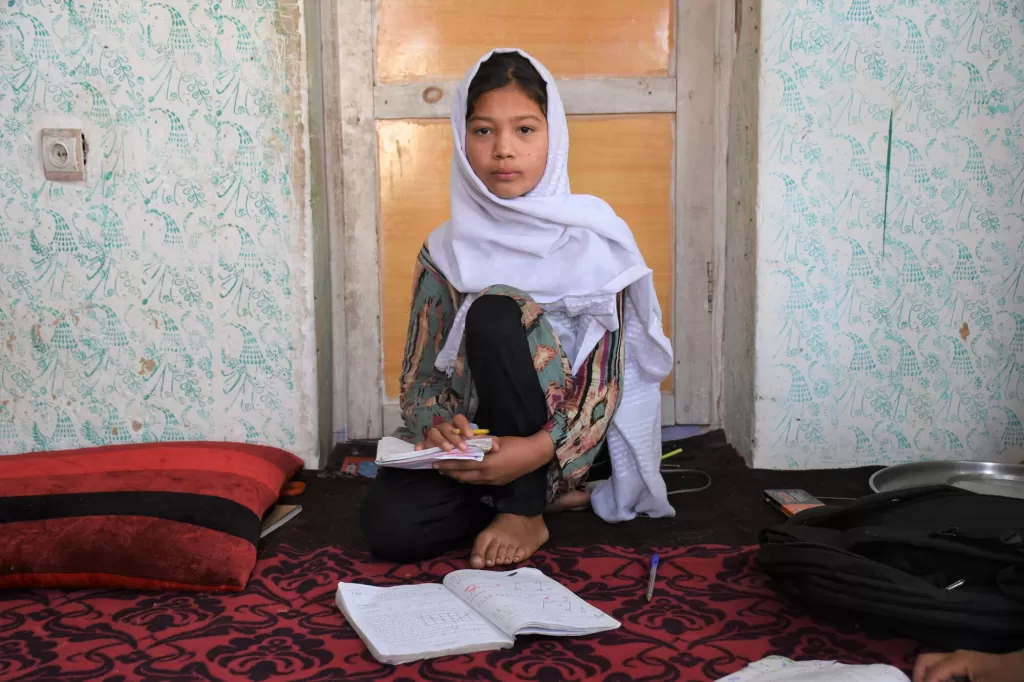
167	297
890	232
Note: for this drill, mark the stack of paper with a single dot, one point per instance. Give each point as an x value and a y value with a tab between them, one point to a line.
779	669
397	454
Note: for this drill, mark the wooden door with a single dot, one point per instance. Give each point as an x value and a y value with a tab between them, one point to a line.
642	138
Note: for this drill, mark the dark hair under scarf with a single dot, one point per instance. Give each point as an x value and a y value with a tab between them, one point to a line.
507	68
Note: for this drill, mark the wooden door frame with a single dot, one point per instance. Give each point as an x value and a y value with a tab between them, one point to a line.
319	169
696	90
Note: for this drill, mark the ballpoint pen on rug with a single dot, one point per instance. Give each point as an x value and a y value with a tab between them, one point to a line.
654	574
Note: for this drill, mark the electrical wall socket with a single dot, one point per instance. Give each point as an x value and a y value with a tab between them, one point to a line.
63	152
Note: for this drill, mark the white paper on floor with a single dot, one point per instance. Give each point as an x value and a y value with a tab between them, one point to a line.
779	669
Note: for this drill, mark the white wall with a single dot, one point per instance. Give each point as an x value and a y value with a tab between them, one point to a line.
169	296
890	318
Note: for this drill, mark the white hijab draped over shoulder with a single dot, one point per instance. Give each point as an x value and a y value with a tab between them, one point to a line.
573	255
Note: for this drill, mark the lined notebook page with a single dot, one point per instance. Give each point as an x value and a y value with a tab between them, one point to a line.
412	622
525	601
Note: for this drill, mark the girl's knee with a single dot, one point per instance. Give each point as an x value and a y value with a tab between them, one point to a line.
508	292
494	315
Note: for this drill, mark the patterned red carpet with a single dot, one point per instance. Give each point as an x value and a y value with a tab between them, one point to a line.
713	612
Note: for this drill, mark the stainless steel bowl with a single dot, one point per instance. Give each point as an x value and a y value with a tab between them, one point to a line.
990	478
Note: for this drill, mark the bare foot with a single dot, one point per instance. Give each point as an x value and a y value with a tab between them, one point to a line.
574	500
508	540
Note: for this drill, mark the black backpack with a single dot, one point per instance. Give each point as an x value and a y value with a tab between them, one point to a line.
938	564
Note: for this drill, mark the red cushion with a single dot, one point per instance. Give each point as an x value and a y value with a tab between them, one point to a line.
182	516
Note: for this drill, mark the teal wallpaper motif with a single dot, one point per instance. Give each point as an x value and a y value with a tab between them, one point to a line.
890	232
168	296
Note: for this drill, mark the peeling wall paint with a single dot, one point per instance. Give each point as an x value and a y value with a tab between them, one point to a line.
890	322
169	296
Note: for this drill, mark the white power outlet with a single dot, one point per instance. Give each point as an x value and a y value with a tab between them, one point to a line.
63	152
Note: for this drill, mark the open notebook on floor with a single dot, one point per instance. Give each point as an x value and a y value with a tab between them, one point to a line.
470	611
396	453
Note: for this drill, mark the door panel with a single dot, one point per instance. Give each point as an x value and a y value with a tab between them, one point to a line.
439	39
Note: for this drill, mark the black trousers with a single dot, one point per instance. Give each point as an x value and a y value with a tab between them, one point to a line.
409	515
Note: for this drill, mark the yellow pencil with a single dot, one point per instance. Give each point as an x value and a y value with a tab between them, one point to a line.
672	454
476	432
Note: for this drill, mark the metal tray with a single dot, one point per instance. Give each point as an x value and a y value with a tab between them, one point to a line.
990	478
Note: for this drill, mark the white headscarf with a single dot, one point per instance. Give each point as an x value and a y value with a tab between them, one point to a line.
570	252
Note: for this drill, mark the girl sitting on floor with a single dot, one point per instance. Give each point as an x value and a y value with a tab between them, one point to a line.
534	316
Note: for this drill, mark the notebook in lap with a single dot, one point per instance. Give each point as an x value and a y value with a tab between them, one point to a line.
396	453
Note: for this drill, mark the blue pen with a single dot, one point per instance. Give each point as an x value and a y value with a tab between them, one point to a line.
650	580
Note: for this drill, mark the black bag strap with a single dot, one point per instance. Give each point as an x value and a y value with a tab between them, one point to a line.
1011	541
870	505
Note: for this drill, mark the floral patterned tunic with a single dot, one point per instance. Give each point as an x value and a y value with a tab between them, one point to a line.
580	407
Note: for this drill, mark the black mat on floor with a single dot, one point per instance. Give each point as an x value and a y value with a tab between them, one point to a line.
730	512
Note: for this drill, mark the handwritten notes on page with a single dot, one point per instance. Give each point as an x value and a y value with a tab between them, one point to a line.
472	611
525	601
413	622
